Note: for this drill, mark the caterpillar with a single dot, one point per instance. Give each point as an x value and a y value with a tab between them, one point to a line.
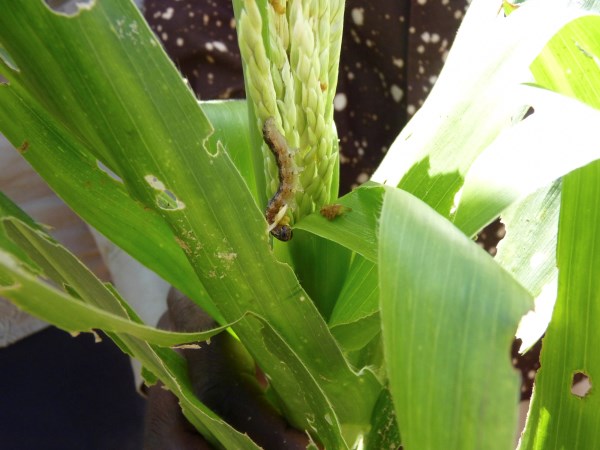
279	223
334	210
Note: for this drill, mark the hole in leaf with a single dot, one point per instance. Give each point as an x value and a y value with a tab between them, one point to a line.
69	7
587	53
522	113
529	112
165	199
108	171
9	62
581	384
154	182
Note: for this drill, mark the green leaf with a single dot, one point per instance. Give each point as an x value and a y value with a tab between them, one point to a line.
356	335
468	108
170	368
90	310
88	302
322	265
558	418
557	138
69	313
384	434
102	88
355	319
102	201
528	252
570	63
231	131
449	314
355	227
360	296
478	95
323	420
7	209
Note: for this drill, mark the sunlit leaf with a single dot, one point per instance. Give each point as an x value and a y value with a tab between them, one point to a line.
467	109
557	138
557	417
93	96
528	252
71	314
449	314
355	227
96	305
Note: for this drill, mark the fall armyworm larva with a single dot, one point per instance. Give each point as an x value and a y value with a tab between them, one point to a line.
288	179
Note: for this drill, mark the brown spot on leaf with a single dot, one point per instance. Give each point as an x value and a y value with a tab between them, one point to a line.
182	244
23	147
277	6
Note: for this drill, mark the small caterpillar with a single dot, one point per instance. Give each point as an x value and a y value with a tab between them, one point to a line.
334	210
288	178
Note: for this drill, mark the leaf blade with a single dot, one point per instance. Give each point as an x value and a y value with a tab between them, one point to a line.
448	315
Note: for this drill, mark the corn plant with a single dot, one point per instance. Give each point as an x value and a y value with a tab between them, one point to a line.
399	329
